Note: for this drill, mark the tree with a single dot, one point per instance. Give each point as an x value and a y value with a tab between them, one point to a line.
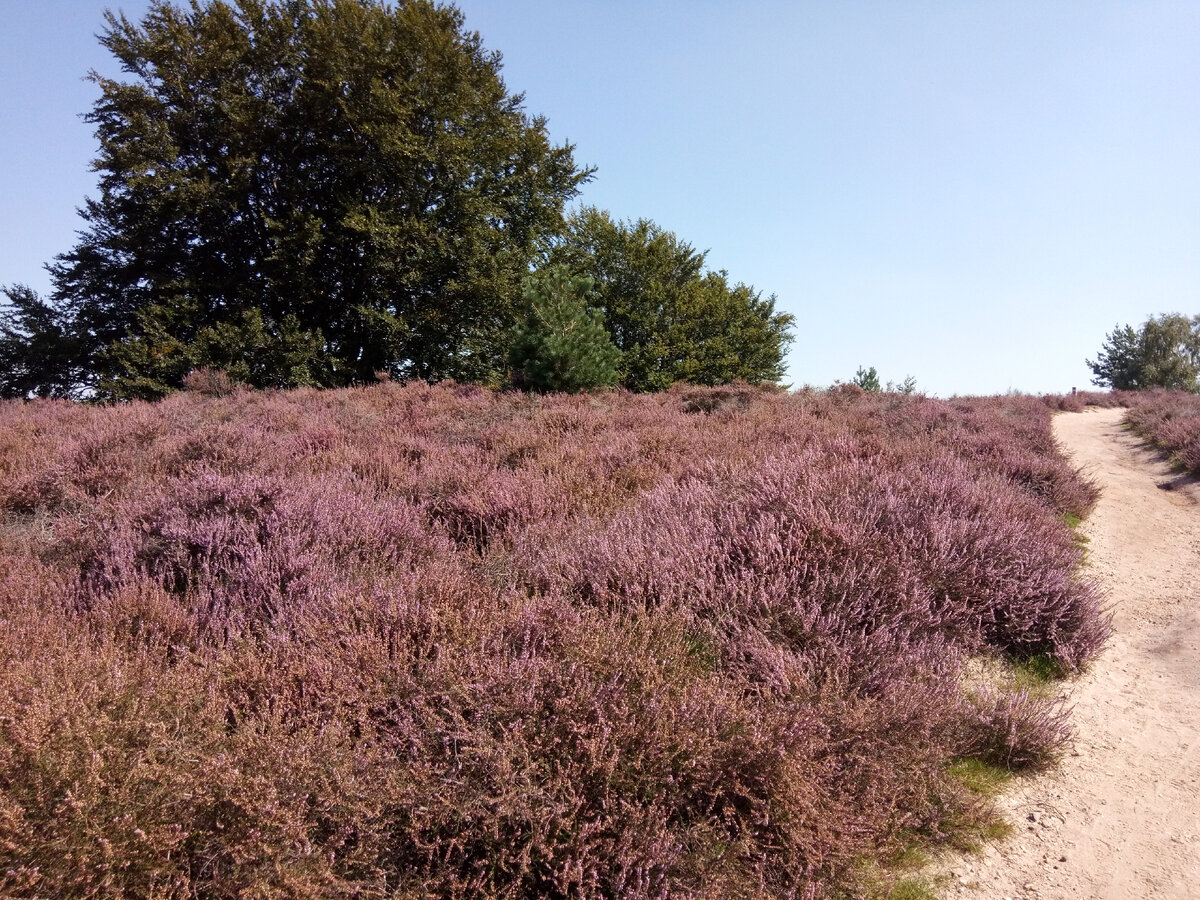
562	345
867	379
347	180
905	388
40	355
1170	352
1164	353
248	349
671	320
1118	364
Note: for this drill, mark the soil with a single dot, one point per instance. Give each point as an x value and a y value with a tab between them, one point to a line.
1120	818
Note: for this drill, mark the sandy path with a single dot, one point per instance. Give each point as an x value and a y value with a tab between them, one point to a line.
1121	817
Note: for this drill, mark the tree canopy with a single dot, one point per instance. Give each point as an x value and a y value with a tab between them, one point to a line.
1163	353
671	319
343	186
323	192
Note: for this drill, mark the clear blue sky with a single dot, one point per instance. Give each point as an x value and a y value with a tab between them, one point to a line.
973	193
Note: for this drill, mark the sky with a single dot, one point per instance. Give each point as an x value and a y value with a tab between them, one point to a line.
969	193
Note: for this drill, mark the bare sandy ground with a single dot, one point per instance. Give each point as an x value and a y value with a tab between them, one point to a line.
1120	818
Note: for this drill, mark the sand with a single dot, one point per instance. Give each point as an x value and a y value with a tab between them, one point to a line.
1120	818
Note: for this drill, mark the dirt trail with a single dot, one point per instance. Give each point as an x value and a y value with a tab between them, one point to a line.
1121	817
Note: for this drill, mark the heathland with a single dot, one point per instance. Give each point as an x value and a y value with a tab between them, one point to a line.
440	641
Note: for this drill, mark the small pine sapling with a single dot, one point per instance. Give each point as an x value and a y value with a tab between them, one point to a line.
562	344
867	379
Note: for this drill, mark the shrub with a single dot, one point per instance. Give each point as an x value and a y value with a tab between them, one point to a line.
1171	419
438	641
209	382
1017	730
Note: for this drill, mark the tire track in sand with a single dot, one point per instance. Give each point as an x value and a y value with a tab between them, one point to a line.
1120	818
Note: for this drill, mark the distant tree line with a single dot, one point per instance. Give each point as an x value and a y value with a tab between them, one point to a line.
1163	353
326	192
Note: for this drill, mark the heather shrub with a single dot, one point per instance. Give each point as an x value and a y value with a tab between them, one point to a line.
925	549
1066	402
1171	419
732	397
210	382
1017	730
437	641
1081	400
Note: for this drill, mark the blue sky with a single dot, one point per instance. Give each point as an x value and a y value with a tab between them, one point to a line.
971	193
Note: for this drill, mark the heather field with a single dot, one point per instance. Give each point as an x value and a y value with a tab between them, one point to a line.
1171	419
435	641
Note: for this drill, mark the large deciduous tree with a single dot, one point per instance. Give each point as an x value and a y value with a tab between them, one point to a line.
1163	353
671	319
343	185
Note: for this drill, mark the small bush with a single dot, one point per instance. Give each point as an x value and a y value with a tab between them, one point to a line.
209	382
1018	730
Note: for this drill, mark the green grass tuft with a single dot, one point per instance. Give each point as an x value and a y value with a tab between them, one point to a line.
912	889
979	777
1037	674
1080	539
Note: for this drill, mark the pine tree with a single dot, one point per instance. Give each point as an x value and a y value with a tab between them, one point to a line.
1163	353
40	353
867	379
562	345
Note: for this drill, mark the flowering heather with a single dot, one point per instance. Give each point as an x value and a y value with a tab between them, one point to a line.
1081	400
1171	419
439	642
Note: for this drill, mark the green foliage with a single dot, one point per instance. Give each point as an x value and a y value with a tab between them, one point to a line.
261	353
913	888
979	777
867	379
1170	346
1080	539
562	345
1117	364
1164	353
249	350
344	186
40	353
671	320
1037	674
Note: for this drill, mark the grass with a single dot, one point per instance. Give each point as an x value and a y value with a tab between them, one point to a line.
874	881
905	875
980	778
898	878
1081	539
1038	674
912	889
